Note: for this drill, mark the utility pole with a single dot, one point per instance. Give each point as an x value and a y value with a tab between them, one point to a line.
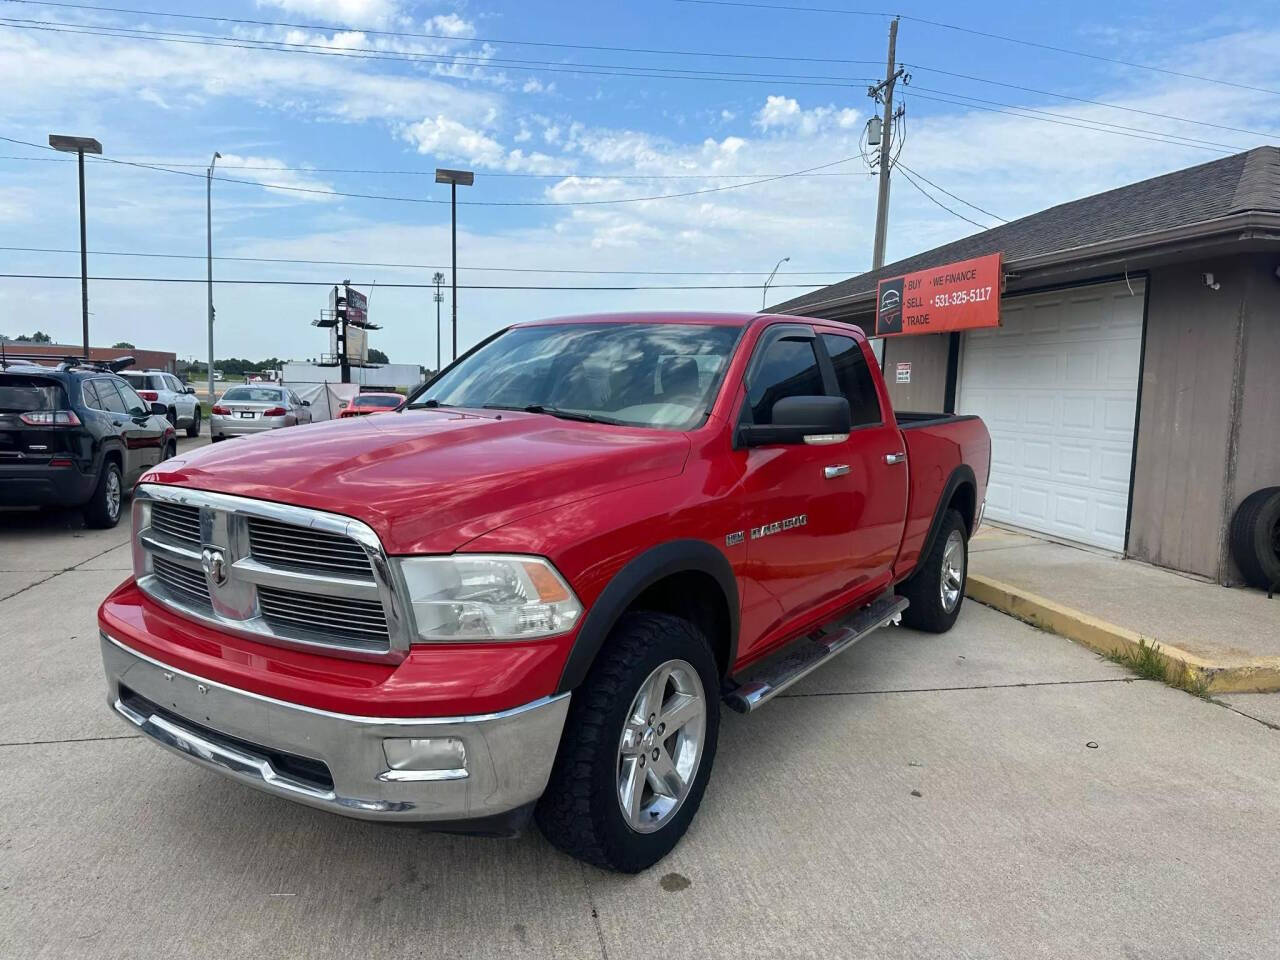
883	93
438	280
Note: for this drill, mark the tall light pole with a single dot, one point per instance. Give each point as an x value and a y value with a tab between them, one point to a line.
453	178
765	292
438	280
208	224
80	146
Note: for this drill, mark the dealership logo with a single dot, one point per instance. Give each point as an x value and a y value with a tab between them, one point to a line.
889	307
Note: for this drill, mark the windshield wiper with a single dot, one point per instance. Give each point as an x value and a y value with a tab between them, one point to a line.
554	412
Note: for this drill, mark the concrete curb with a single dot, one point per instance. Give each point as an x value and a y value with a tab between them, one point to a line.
1260	675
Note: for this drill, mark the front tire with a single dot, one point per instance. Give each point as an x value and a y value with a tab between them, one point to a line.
936	589
103	509
638	746
193	428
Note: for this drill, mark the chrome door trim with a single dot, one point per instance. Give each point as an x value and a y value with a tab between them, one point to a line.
835	470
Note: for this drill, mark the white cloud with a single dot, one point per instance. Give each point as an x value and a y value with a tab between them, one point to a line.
372	13
455	141
269	170
784	113
451	25
534	85
551	134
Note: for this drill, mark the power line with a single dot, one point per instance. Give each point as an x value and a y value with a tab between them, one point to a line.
981	226
899	163
450	60
990	36
472	203
441	36
431	173
411	286
428	266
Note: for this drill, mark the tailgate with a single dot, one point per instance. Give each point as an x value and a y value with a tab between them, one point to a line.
19	441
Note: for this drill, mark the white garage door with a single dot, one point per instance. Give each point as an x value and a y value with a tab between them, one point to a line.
1057	386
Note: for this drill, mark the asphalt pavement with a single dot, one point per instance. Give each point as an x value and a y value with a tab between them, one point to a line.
994	792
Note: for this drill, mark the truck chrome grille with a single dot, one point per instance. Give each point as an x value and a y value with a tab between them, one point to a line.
177	521
276	573
187	583
359	621
290	545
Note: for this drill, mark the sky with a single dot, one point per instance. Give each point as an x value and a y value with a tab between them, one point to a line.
561	109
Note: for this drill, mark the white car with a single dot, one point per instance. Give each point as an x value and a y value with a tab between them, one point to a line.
254	409
156	386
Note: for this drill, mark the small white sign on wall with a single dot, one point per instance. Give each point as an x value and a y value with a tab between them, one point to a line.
904	373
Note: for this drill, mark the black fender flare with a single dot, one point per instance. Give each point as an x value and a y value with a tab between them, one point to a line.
960	476
640	573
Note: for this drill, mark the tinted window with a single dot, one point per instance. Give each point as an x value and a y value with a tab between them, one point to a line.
174	384
133	403
387	402
854	378
22	394
789	369
109	397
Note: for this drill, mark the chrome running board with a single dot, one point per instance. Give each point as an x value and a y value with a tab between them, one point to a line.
803	657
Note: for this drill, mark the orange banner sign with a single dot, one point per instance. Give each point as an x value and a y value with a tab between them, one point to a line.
957	296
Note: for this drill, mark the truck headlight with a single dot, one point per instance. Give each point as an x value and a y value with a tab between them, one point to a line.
487	597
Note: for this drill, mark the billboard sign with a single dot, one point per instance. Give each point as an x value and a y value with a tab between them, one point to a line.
957	296
357	307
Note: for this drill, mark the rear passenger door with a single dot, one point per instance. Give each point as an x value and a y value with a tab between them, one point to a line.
874	457
143	433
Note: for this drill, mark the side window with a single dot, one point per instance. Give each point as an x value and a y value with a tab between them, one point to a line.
854	378
156	383
89	395
109	397
132	402
173	383
789	368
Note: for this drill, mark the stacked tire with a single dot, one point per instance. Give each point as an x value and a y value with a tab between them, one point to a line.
1255	538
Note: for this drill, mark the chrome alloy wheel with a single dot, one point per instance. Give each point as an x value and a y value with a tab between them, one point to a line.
952	570
661	745
113	494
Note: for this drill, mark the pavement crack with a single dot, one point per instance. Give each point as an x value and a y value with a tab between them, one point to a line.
980	686
58	573
42	743
595	914
1248	716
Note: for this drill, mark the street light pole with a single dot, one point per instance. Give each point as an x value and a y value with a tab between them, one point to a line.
80	146
208	222
455	177
765	292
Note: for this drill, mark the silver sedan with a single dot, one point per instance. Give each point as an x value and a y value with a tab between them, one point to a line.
253	409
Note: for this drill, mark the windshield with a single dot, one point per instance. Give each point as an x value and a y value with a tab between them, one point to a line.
641	374
252	395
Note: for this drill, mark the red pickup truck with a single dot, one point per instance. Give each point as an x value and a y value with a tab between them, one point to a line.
527	593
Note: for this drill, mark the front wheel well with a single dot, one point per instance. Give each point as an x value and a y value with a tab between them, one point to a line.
697	597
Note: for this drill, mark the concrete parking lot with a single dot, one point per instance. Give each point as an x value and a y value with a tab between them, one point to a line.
995	792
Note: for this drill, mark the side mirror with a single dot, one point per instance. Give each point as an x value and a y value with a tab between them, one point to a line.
158	409
188	389
812	420
306	403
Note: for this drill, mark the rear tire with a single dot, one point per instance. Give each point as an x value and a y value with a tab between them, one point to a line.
172	417
104	508
936	589
1255	537
193	428
653	665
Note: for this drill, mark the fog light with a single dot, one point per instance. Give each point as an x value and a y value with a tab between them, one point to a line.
434	758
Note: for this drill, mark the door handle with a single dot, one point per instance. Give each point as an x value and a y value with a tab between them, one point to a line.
835	470
892	458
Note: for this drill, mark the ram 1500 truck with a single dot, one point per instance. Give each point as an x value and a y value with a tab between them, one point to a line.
527	593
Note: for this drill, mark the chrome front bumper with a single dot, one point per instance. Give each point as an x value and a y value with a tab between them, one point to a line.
284	749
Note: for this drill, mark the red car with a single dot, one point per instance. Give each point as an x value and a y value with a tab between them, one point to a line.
529	594
367	403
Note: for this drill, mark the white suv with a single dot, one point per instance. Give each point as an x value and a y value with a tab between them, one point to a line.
156	386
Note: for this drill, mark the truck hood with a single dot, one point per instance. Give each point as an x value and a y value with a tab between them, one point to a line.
428	481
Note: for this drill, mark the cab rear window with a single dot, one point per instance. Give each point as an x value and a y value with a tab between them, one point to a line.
21	394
